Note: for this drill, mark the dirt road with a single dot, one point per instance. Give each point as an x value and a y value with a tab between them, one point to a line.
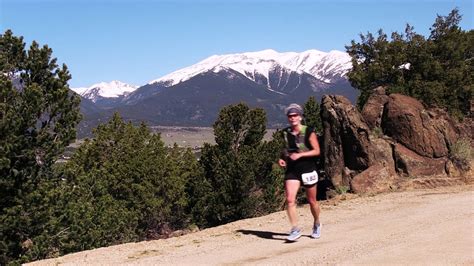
434	226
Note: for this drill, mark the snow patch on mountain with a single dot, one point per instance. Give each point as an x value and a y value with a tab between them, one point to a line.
326	67
113	89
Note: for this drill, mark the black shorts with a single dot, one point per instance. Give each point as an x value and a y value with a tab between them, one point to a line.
294	169
295	174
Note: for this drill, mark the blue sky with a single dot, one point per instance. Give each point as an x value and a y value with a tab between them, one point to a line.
142	40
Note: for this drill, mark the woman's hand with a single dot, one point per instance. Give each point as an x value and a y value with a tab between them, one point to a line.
282	163
295	156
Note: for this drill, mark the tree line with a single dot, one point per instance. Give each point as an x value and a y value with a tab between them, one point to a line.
437	70
124	184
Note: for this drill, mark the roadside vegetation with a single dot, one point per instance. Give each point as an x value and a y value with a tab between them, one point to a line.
462	153
124	184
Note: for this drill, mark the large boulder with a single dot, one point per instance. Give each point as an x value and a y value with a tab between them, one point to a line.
381	174
373	108
346	139
429	133
466	129
383	153
411	164
375	179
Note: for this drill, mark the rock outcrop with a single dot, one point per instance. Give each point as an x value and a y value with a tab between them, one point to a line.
373	109
427	132
346	139
394	137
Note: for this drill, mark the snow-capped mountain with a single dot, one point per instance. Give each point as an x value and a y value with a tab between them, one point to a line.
326	67
193	96
113	89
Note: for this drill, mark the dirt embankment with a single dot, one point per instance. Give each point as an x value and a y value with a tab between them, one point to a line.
429	226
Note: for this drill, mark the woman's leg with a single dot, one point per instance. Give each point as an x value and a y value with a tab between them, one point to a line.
311	194
291	189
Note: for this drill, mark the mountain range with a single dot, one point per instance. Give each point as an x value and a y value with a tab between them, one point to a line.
193	96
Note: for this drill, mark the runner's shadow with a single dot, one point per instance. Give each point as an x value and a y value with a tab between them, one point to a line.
264	234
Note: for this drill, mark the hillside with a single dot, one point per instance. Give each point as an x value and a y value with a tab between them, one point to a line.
417	226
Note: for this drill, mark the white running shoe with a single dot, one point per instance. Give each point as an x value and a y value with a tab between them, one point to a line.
316	231
295	233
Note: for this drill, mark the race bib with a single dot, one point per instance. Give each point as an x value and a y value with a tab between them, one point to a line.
310	178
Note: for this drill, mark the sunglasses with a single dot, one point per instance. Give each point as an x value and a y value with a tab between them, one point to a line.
293	115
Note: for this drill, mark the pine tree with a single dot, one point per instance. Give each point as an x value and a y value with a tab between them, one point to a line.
186	167
436	70
452	50
238	126
38	118
312	114
129	175
238	168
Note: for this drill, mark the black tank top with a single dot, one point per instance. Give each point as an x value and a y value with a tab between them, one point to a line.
299	143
